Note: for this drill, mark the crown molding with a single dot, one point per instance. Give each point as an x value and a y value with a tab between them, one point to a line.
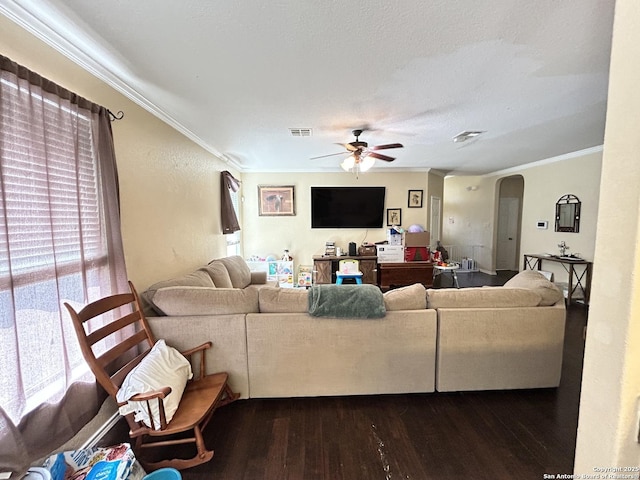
558	158
58	31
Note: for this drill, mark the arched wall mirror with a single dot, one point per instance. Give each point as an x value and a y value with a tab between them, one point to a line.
568	214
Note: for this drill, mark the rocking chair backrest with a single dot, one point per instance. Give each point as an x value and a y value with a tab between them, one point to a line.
134	341
135	338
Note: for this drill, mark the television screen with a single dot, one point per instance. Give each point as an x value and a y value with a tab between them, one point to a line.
347	207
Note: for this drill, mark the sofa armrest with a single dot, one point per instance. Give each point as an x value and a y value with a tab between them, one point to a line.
258	278
500	348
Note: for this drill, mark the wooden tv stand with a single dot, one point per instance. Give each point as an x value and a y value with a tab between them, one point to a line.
407	273
325	266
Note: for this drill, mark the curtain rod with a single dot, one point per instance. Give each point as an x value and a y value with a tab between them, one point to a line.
114	116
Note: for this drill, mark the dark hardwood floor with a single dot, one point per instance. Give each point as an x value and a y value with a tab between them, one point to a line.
519	434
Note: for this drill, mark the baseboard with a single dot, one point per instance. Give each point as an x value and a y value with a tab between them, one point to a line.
93	440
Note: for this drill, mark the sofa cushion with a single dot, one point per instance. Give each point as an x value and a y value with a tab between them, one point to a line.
199	278
239	271
283	300
219	274
537	282
258	278
411	297
206	301
482	297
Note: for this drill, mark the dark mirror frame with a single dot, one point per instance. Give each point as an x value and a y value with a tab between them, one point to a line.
567	201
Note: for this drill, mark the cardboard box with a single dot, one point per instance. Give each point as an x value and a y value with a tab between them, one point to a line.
390	253
417	254
420	239
394	237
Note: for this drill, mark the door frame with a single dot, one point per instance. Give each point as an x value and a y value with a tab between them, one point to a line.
435	224
511	186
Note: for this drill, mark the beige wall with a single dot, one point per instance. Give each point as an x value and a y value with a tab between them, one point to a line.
543	186
271	235
470	216
169	186
609	405
467	217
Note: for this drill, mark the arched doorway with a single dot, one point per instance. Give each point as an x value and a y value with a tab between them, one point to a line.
510	193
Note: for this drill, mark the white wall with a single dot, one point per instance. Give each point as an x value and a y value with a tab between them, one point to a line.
468	215
609	404
169	186
271	235
474	212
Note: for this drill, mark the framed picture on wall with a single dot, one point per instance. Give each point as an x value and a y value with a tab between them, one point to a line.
394	216
415	198
276	200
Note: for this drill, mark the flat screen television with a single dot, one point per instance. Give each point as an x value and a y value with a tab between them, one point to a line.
347	207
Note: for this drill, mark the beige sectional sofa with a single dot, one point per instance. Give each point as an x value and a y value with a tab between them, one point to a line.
224	286
295	354
446	340
498	338
280	350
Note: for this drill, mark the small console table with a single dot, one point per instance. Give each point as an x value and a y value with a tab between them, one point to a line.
325	267
406	273
579	278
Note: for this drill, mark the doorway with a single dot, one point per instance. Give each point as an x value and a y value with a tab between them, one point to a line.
511	191
434	226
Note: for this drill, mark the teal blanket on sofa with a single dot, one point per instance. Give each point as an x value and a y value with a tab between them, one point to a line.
346	301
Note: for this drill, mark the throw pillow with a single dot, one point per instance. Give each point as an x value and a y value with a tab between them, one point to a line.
239	271
183	301
537	282
412	297
163	366
219	274
199	278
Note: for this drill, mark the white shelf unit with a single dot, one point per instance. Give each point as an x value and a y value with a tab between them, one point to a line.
278	270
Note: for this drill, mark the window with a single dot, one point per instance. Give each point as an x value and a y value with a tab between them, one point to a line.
233	239
59	234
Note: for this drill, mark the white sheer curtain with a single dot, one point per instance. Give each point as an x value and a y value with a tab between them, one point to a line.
59	241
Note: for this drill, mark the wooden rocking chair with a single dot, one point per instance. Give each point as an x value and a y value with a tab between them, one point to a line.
201	396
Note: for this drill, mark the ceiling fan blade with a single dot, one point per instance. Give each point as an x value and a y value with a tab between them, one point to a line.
389	145
330	155
348	146
381	157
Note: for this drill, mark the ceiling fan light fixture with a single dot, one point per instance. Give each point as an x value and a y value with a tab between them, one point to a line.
362	157
466	135
348	163
366	163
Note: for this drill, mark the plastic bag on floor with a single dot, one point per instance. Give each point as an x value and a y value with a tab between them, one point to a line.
98	463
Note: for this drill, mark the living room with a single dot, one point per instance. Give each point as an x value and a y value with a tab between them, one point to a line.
470	215
163	170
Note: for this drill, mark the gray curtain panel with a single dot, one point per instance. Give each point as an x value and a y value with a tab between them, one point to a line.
228	214
60	241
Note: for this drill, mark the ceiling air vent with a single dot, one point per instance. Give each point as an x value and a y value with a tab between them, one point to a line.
300	132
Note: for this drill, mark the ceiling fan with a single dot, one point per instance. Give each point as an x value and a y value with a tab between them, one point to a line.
361	156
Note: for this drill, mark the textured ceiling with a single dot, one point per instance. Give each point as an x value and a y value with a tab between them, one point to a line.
235	76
